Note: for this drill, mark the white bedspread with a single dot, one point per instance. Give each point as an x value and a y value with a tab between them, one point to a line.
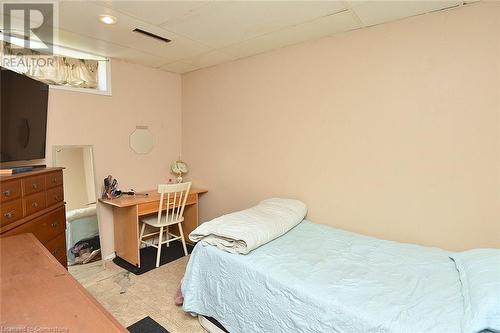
246	230
320	279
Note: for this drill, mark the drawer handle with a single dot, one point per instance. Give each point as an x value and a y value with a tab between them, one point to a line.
35	186
56	197
54	224
54	252
34	204
9	215
54	180
7	193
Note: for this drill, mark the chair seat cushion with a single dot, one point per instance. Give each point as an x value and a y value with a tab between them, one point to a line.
152	220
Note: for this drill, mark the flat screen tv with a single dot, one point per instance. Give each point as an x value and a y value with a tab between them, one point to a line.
23	117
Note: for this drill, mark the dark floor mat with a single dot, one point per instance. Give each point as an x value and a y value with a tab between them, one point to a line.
146	325
148	257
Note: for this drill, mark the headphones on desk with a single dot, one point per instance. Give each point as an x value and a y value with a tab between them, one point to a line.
131	192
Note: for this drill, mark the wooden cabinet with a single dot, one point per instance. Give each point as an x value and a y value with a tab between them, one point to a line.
11	211
55	195
11	190
33	202
33	184
57	247
54	179
45	227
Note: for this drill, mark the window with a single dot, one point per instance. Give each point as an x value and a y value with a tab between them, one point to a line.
65	69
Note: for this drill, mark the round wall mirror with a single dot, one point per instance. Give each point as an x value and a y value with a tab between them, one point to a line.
141	140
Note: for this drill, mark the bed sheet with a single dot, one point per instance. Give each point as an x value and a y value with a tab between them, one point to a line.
316	278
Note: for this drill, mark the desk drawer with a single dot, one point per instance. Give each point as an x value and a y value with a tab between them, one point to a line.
34	203
10	190
54	179
148	208
33	184
55	195
11	211
44	228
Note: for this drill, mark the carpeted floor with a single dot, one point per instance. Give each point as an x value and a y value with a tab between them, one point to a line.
131	297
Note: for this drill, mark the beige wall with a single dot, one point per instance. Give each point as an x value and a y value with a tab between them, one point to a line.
391	131
141	96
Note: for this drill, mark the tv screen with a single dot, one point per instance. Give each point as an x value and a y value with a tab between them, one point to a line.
23	117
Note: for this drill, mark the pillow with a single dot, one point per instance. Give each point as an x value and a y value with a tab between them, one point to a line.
479	272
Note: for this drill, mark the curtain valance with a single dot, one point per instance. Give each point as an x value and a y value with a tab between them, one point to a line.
51	69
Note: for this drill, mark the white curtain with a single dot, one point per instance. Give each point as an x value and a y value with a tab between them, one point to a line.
56	70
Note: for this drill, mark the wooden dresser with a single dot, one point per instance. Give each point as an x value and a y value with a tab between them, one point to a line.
33	202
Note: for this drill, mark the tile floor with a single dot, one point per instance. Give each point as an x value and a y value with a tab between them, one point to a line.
129	297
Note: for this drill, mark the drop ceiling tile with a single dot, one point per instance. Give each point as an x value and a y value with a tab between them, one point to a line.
209	59
318	28
81	18
88	44
178	67
225	23
376	12
236	28
102	48
138	57
154	12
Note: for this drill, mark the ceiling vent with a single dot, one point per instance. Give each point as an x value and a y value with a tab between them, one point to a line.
151	35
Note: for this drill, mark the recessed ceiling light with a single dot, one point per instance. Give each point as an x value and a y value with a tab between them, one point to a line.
107	19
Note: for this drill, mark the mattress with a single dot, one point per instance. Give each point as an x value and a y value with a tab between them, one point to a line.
321	279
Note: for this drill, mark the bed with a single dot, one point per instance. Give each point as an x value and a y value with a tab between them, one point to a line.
80	224
317	278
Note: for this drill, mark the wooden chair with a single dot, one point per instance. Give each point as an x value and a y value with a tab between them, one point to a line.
170	212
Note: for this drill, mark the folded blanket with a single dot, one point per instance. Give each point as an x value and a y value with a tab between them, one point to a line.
246	230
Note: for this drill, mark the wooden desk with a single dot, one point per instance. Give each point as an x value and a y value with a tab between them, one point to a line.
126	213
36	292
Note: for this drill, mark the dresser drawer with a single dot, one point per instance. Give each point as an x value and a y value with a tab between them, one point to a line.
33	184
10	190
57	246
11	211
54	179
63	261
34	203
44	228
55	195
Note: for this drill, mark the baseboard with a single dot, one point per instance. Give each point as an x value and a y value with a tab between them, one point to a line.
110	257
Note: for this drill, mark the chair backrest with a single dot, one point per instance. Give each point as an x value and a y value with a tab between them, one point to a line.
173	198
